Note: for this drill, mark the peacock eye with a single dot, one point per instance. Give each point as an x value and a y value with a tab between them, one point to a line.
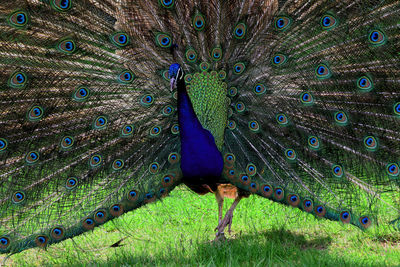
282	23
126	77
155	131
17	80
71	183
239	68
260	89
163	40
279	60
61	5
216	53
322	71
377	38
341	118
232	91
95	160
67	46
240	31
167	3
18	19
328	22
199	22
120	39
147	100
3	144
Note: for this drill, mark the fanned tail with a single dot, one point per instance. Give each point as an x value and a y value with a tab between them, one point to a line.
315	121
86	132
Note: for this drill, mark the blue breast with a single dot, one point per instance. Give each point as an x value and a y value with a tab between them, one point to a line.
201	161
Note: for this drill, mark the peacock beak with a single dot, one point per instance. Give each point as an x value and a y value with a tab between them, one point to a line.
173	84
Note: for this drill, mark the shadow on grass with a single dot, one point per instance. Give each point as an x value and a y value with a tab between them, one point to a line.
277	247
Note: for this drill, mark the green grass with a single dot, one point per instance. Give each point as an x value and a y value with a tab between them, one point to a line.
178	231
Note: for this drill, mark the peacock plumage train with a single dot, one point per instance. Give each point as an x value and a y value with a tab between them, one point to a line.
108	105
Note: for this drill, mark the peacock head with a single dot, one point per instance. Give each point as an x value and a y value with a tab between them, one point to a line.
175	74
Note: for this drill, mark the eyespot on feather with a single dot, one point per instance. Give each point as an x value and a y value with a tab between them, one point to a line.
100	122
35	113
81	94
240	31
175	129
293	200
88	224
365	221
18	19
320	211
132	196
18	197
163	40
337	171
41	241
204	66
116	210
147	100
365	84
67	142
240	107
199	22
57	233
61	5
239	68
120	39
167	3
267	190
313	142
282	23
260	89
392	169
231	125
232	91
173	158
66	46
18	80
322	71
191	55
155	131
100	216
279	59
127	130
376	37
254	126
279	194
95	160
32	157
4	242
282	119
118	164
216	54
345	217
308	205
328	22
126	77
3	145
71	183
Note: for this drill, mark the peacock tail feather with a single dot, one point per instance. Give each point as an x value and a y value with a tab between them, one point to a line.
302	99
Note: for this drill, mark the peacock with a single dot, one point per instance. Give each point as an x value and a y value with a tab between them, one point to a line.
106	106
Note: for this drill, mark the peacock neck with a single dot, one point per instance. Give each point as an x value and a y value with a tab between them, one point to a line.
201	161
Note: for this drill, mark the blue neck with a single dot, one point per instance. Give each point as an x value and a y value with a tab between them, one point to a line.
201	161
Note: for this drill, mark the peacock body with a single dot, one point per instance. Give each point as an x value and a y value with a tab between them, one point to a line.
296	101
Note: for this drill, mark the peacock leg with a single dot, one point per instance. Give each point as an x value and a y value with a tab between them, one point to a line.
227	220
220	201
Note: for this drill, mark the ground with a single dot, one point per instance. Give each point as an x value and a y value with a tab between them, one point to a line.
178	232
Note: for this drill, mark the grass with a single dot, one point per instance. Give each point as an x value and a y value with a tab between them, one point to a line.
177	232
